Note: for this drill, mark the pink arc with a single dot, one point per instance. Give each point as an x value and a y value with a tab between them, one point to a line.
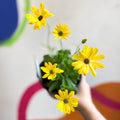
25	99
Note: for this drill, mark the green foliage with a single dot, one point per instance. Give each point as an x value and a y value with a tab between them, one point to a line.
66	80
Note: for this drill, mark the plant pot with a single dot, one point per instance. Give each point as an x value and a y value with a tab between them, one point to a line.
44	81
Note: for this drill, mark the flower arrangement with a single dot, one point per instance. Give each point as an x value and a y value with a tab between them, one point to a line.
61	72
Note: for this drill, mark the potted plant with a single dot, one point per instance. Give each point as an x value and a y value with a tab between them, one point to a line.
61	72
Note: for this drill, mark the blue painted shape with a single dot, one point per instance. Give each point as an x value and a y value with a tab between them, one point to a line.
8	19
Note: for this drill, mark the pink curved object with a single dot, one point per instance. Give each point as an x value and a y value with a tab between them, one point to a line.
22	108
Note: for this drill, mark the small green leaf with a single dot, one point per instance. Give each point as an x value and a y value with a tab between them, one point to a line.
52	87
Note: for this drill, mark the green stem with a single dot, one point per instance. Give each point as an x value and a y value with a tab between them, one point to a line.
61	44
51	49
77	49
48	43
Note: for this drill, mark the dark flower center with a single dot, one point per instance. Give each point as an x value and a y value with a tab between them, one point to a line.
66	101
60	33
51	72
86	61
40	17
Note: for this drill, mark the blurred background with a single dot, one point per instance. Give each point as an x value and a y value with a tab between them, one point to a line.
96	20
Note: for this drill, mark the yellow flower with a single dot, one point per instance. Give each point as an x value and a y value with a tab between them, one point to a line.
61	31
50	70
67	102
87	60
39	16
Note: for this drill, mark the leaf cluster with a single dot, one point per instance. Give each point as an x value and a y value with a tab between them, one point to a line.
69	79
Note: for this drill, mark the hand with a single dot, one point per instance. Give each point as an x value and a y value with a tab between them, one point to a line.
85	104
83	93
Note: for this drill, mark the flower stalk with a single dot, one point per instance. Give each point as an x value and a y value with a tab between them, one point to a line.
61	44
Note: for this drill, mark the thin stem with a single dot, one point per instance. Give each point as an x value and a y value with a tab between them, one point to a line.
48	43
61	44
78	48
48	40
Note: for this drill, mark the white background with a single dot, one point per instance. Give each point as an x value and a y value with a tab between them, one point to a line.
96	20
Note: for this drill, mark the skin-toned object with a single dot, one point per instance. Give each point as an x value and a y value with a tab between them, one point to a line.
85	104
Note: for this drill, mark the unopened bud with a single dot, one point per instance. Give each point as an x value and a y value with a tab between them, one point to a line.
84	41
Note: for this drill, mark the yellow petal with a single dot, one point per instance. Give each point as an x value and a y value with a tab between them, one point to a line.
44	69
55	33
35	11
79	58
46	65
65	109
43	22
78	66
49	15
72	109
37	25
66	92
50	64
54	65
32	18
92	70
63	37
74	100
94	66
44	13
67	32
68	109
41	7
95	51
82	55
81	69
57	70
98	57
51	76
31	22
97	64
85	49
86	69
45	76
89	52
60	105
76	63
57	37
71	94
61	93
58	97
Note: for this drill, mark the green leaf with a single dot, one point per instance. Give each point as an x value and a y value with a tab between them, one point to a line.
53	86
71	88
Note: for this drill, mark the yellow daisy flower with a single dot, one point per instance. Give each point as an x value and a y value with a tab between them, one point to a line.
61	31
87	60
39	16
50	70
67	102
